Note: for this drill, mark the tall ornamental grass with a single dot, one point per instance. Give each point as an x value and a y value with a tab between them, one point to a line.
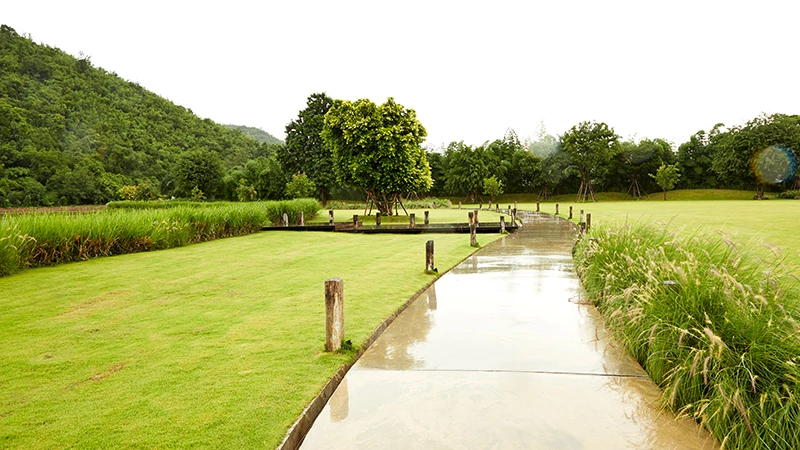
32	240
715	326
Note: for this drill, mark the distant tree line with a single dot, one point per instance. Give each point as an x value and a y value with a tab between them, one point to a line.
71	133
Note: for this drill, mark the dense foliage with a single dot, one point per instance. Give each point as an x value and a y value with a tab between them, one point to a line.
71	133
714	326
31	240
256	133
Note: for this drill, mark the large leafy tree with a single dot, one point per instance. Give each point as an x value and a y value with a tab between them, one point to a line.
305	150
467	167
591	146
377	148
638	159
694	161
198	169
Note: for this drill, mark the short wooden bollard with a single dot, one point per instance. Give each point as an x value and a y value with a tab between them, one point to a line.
355	221
427	219
537	206
429	257
476	218
285	219
588	221
502	224
497	207
509	209
581	220
514	217
570	212
556	208
473	238
459	205
378	219
334	314
330	217
471	216
480	205
412	220
490	206
300	219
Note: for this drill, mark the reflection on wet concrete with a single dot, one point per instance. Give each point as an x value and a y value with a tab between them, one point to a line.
340	403
500	353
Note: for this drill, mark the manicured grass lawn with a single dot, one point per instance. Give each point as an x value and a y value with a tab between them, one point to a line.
215	345
453	215
749	222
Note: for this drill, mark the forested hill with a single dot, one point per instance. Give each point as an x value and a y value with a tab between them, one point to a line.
72	133
257	134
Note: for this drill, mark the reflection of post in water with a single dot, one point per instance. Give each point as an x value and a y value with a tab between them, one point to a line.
340	402
474	262
432	297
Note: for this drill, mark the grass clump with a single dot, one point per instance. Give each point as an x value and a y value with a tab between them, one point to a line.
33	240
714	326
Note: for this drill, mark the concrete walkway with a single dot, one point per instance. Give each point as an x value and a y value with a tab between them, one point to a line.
501	353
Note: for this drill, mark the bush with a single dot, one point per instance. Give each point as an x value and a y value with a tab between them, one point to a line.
714	326
31	240
300	186
789	194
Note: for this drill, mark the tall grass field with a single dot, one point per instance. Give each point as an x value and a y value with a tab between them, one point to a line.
33	240
706	296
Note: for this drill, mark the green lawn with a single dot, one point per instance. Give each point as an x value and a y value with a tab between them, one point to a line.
214	345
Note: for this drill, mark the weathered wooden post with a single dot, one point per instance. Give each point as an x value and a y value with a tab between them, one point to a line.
334	314
459	205
570	212
497	207
330	217
537	206
355	221
502	224
490	206
378	219
473	238
556	208
476	218
412	220
588	221
471	217
429	257
514	217
427	219
509	209
285	219
480	205
300	220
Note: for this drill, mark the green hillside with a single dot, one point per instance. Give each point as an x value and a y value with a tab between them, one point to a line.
72	133
256	133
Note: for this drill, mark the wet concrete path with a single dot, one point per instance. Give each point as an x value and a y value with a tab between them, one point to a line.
501	353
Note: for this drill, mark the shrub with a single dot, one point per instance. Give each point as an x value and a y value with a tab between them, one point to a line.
300	186
789	194
714	326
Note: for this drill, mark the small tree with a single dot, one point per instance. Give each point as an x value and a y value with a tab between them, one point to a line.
300	186
246	192
666	177
492	186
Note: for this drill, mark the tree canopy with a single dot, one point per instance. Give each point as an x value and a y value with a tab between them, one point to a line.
377	148
591	146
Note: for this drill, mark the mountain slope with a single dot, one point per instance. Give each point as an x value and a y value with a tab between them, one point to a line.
256	133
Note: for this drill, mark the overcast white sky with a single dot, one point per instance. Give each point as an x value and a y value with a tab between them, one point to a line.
470	69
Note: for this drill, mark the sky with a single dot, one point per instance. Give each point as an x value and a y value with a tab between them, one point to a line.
471	70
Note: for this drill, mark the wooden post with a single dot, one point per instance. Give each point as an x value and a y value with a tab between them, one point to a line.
514	217
427	219
537	206
490	206
471	217
459	205
581	217
502	224
480	205
570	212
355	221
497	207
509	209
334	314
412	220
285	219
429	257
556	208
473	239
378	219
476	217
588	221
300	220
330	217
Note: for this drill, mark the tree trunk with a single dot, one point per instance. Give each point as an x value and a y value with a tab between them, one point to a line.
323	195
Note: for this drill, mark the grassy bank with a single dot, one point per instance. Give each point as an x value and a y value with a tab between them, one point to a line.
215	345
714	326
33	240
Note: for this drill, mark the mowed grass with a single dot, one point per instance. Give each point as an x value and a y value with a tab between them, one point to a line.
762	225
436	216
216	345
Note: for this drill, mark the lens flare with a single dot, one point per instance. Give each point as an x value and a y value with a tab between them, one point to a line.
774	165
